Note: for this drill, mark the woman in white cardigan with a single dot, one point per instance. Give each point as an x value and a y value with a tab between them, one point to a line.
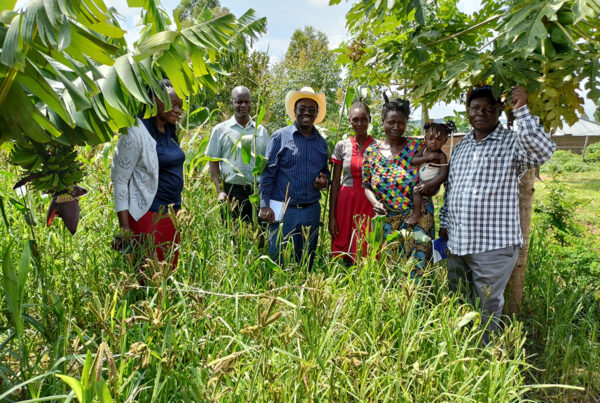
147	177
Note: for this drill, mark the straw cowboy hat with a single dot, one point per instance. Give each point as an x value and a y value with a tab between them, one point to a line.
306	92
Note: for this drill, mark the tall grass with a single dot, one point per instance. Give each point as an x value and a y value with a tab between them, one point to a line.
230	325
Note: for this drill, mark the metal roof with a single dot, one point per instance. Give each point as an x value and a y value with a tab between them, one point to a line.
583	127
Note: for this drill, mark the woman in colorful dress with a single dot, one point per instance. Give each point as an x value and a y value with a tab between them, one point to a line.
389	177
349	209
147	176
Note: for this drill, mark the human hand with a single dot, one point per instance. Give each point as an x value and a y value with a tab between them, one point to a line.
426	188
518	97
222	197
333	228
122	241
321	182
443	233
267	214
379	208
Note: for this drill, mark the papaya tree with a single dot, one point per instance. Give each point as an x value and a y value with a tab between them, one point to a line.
67	78
434	52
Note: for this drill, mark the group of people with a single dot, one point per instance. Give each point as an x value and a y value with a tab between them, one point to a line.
395	177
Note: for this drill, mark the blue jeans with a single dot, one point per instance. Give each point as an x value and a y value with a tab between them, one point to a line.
290	229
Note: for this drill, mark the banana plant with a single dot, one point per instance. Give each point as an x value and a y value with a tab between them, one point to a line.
67	79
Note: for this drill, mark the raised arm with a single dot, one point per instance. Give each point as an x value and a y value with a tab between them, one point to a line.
534	146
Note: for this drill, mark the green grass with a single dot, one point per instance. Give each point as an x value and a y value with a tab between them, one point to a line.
229	325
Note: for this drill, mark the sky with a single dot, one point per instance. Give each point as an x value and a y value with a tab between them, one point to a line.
283	18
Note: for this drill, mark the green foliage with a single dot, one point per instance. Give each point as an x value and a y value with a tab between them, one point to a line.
556	209
438	53
68	78
592	153
564	161
230	324
308	62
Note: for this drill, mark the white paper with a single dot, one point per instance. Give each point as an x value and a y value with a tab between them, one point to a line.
278	208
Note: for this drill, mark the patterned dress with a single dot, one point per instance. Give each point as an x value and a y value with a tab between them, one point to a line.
392	178
352	211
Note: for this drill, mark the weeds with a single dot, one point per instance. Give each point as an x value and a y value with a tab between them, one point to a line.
231	325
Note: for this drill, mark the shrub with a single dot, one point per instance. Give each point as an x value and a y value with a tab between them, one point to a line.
557	207
592	153
565	161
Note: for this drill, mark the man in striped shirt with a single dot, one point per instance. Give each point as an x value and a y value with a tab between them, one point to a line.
296	173
480	216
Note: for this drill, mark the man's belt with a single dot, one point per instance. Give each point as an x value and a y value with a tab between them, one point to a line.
302	205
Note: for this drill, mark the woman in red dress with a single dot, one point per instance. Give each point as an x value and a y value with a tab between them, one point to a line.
349	209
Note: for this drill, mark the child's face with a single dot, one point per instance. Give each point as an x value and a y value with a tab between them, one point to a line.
435	140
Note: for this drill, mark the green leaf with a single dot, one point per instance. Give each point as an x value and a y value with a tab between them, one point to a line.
468	317
102	392
136	3
91	46
38	85
261	115
12	54
74	384
86	372
246	145
259	165
155	43
10	283
129	77
111	89
108	29
7	4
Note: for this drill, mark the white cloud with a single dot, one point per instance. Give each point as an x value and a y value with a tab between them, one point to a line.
319	3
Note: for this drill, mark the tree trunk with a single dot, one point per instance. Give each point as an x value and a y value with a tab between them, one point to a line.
516	284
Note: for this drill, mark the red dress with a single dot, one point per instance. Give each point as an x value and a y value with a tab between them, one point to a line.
352	211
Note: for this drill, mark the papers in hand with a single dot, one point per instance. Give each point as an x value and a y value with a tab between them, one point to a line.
439	249
278	208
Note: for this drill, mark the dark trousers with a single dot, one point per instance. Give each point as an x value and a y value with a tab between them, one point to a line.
240	206
300	225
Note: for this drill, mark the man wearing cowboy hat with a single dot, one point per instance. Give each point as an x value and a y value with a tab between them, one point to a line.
296	173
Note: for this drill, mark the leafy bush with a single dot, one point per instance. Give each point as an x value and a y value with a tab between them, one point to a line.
565	161
592	153
556	209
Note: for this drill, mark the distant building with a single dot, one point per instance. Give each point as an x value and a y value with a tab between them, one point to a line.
577	137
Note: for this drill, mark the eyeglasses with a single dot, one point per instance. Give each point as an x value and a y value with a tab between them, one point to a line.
308	111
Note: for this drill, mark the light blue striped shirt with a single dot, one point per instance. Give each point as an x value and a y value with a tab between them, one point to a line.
294	162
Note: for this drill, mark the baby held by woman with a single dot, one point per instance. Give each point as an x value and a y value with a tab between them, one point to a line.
433	166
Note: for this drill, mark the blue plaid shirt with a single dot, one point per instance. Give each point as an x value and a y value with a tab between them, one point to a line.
481	206
294	162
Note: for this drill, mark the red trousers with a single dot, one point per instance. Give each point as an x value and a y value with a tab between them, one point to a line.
158	230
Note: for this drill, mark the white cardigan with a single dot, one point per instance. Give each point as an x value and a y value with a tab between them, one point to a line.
134	171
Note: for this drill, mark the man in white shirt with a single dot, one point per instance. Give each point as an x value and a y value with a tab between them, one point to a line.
233	177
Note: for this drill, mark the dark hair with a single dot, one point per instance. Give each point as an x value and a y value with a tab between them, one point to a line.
448	127
397	105
360	105
482	92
